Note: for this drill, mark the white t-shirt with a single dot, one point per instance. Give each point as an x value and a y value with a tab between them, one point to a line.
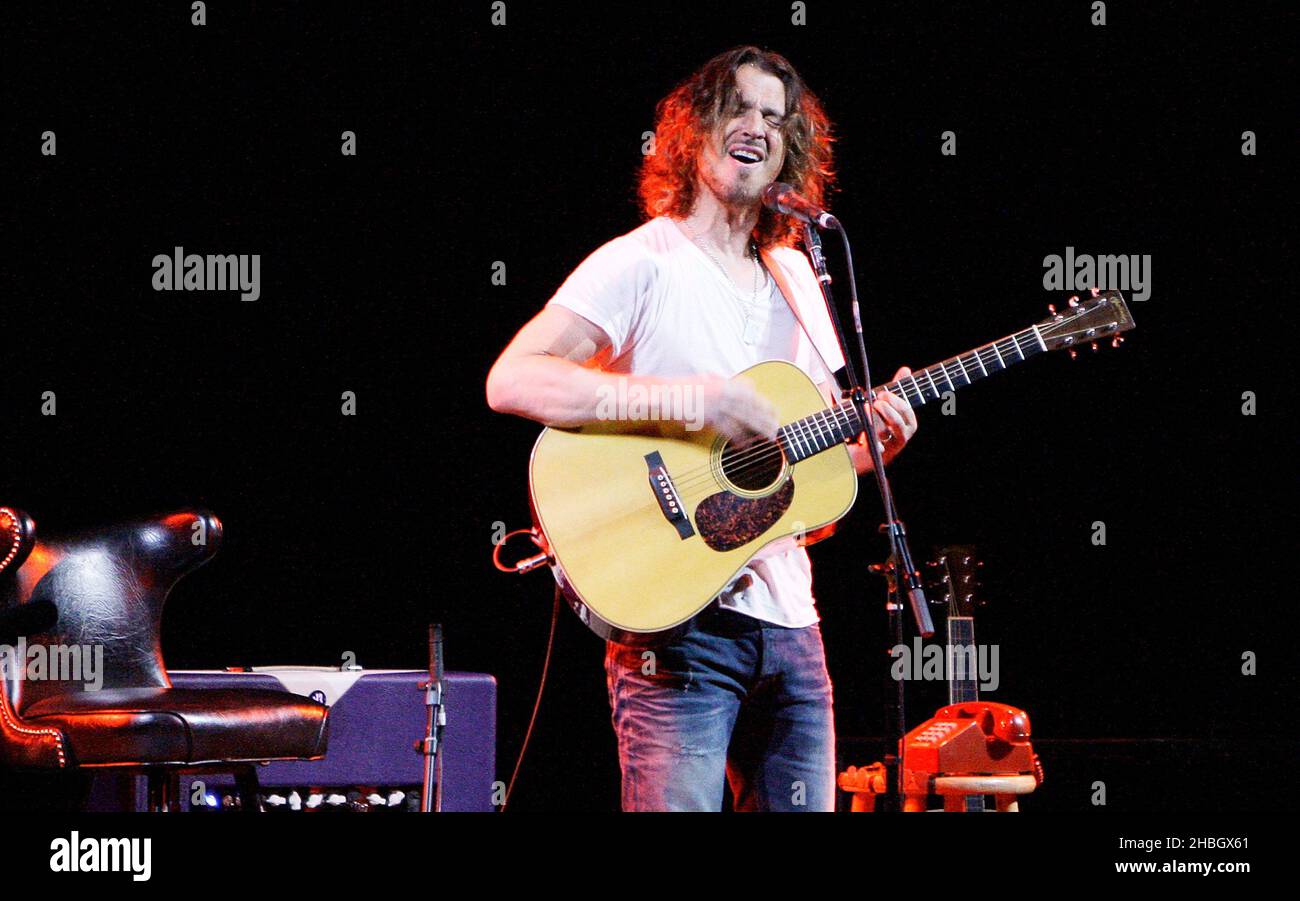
669	310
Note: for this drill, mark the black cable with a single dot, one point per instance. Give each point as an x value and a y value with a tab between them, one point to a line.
541	686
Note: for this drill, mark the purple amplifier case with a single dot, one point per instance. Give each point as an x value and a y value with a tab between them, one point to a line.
376	718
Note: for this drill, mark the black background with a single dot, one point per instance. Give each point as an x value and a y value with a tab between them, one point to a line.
520	144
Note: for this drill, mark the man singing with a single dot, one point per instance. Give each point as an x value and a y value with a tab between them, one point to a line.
704	289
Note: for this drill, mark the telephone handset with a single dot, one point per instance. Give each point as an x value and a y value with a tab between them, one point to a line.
999	722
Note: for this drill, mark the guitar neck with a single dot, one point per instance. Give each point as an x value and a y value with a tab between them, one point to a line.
828	428
963	678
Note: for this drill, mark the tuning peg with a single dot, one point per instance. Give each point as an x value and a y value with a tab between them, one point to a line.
1074	300
1074	354
1094	347
1051	308
1116	341
1095	291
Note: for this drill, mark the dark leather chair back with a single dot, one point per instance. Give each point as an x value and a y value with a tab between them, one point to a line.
110	585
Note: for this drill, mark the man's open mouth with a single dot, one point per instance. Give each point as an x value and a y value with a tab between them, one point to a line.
743	153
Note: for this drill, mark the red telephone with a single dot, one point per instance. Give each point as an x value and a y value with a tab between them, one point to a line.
975	738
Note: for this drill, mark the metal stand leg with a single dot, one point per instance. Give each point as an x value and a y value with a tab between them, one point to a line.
246	784
164	791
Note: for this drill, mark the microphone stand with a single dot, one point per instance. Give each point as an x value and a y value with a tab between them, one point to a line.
901	573
431	745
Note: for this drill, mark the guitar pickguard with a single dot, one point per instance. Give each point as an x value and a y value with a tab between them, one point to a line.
727	521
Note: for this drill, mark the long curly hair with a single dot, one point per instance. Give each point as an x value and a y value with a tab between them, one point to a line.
687	116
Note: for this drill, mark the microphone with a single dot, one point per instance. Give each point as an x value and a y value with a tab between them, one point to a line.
782	198
27	619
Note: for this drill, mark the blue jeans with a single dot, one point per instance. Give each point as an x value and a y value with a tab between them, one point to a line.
733	698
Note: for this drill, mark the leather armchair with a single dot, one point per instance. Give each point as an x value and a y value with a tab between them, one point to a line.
109	586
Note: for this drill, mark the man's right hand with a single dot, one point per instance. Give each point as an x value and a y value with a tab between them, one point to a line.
735	409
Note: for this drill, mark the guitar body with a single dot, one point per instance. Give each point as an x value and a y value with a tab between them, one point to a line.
645	524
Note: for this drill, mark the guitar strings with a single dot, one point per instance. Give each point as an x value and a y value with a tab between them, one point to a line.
691	482
767	452
745	460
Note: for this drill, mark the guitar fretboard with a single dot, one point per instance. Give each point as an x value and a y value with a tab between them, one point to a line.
827	428
963	664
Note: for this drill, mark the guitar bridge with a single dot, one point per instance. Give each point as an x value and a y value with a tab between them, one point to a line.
661	483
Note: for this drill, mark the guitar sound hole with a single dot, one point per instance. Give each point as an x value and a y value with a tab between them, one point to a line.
753	467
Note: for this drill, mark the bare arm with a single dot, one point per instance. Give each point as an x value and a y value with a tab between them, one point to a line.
541	376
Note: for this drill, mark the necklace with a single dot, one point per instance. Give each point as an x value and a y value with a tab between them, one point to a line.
750	305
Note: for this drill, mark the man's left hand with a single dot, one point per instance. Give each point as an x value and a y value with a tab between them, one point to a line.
895	419
895	426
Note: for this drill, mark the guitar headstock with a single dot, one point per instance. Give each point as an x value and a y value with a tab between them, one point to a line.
1087	320
953	579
